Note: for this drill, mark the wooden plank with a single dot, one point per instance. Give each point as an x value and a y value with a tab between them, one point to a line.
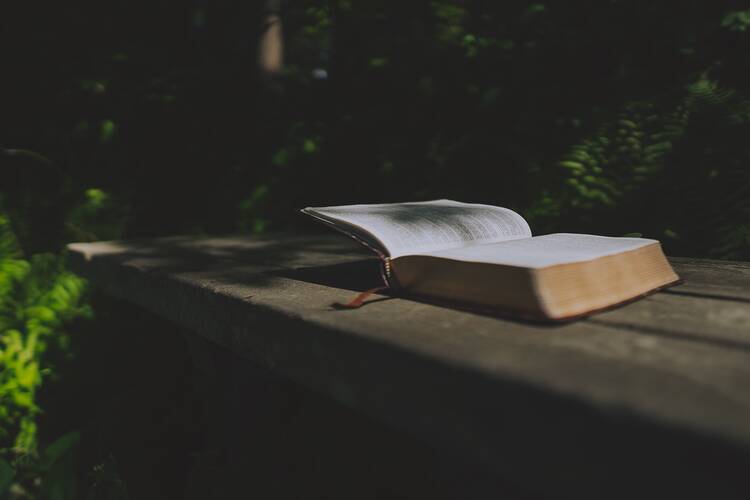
713	278
532	400
711	306
720	322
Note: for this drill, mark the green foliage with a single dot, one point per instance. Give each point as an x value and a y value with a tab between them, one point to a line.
6	477
251	210
38	297
450	19
620	157
97	216
636	161
558	111
107	131
49	475
612	165
738	20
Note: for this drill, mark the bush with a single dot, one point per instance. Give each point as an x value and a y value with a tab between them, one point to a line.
38	297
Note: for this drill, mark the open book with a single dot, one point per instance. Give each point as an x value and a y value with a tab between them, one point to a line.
486	257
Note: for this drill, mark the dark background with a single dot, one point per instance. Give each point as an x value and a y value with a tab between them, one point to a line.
159	105
142	118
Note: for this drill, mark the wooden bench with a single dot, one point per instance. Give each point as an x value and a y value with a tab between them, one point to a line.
650	398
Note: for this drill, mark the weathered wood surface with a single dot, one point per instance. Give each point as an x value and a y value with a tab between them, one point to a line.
655	391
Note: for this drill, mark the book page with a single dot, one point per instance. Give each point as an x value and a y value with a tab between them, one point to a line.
409	228
543	251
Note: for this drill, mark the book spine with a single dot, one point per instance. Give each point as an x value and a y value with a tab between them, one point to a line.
386	271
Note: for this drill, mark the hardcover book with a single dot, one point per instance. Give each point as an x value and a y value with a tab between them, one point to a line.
485	257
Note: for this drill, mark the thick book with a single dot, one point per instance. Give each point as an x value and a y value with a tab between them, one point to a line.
485	257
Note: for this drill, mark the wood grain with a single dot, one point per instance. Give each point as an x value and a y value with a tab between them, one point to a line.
657	388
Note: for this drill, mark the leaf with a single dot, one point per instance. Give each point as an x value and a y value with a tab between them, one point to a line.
60	447
309	146
6	476
107	131
59	480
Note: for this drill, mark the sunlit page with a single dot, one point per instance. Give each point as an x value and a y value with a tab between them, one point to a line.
543	251
408	228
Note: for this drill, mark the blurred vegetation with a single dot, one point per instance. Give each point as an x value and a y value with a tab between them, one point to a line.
37	299
610	117
150	118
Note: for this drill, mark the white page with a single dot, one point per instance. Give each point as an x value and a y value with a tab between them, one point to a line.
543	251
409	228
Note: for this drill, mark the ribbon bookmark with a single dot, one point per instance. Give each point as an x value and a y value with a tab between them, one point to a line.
359	300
